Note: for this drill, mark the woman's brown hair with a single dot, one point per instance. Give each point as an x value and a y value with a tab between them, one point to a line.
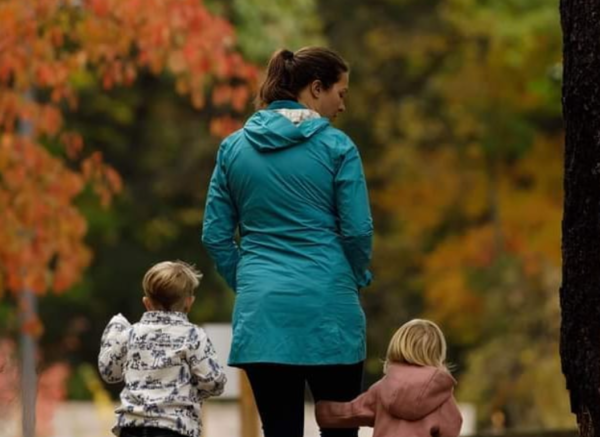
289	72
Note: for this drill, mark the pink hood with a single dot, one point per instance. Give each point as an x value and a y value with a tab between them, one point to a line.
413	392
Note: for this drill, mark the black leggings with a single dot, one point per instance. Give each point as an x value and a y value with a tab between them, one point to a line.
279	393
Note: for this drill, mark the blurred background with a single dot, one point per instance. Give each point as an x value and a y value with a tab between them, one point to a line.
111	116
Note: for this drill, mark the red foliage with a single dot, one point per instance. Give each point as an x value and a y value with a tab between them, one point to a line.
44	45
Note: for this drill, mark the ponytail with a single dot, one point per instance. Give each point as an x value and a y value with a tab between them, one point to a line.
288	73
278	84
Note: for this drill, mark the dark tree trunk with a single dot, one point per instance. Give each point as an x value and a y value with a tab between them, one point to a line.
580	290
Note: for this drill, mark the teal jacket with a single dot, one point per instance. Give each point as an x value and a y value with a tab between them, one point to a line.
297	195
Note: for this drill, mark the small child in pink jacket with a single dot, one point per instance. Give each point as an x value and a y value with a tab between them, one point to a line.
414	398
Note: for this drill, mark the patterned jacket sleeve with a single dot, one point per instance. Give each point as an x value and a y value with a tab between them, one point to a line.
113	349
207	372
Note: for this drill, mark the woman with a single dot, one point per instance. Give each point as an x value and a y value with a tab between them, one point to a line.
294	187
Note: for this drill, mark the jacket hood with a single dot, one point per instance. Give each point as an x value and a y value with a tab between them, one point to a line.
269	130
413	392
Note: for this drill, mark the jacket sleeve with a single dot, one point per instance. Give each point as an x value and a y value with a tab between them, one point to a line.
359	412
220	223
207	373
450	421
113	349
355	222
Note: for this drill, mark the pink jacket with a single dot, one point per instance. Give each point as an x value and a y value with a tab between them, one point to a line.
409	401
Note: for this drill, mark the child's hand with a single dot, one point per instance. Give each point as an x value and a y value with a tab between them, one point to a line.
319	412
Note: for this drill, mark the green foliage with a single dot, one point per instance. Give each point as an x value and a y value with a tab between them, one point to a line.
76	387
264	26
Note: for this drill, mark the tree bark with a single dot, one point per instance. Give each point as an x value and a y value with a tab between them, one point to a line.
28	366
580	290
28	310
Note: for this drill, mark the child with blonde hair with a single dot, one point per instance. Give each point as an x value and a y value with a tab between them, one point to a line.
168	364
415	396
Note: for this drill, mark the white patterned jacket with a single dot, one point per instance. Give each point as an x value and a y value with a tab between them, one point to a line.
169	367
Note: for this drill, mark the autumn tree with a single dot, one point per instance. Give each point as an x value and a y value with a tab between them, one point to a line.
580	291
46	48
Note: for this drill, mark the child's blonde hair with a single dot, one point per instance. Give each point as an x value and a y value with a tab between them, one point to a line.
420	342
168	284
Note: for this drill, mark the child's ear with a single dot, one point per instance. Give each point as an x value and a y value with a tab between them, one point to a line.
147	303
189	302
